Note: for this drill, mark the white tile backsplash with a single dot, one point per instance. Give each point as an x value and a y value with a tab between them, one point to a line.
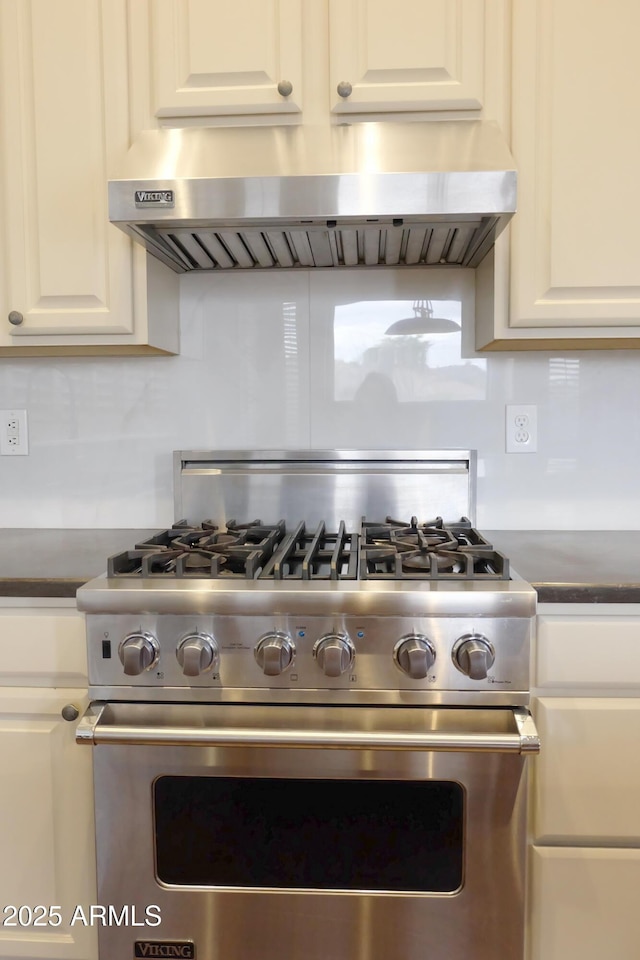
307	360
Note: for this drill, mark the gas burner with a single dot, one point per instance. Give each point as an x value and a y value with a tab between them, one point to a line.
396	550
239	550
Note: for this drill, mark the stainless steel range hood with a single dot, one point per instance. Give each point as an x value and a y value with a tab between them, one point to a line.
363	194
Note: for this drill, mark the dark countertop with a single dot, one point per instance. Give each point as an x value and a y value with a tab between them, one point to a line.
54	563
580	566
563	566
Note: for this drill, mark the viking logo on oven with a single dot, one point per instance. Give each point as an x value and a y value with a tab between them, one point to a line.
185	949
154	198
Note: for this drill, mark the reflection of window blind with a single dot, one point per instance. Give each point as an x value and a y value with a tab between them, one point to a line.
293	428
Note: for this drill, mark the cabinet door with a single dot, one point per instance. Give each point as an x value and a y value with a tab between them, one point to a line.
575	248
46	811
409	55
63	131
210	58
586	781
584	904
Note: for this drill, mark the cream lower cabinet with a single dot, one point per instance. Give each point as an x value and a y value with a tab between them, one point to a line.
585	824
47	854
585	903
574	248
69	281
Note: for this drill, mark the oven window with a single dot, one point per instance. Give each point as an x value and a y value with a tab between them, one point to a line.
309	834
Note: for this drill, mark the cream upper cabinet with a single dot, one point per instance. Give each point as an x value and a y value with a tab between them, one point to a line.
575	248
301	60
407	55
70	280
213	59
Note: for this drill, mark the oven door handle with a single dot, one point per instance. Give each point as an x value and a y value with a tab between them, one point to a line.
96	728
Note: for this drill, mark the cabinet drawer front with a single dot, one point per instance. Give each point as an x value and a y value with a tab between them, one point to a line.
44	648
588	652
584	904
586	780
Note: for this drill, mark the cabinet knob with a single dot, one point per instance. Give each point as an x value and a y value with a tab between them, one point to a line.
345	89
15	318
285	88
70	712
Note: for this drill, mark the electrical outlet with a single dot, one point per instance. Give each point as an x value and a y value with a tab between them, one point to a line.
521	428
14	433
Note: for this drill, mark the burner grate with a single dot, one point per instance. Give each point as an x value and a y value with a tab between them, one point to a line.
315	556
396	550
388	550
184	550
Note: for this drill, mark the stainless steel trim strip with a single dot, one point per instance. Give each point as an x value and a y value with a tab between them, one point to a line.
504	598
463	458
313	697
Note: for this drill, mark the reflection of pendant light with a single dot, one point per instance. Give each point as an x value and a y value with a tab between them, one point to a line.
422	321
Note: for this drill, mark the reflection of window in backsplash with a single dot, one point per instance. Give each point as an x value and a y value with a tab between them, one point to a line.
564	401
410	350
291	370
564	377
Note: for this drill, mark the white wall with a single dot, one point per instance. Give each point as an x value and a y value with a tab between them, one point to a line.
276	360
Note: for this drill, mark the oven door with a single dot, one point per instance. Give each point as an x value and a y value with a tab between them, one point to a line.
253	832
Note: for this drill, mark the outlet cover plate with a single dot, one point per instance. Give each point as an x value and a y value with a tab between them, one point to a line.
521	428
14	433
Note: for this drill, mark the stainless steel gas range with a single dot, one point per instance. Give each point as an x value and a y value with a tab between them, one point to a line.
310	728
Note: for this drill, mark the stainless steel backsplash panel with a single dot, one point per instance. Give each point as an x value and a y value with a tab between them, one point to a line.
327	486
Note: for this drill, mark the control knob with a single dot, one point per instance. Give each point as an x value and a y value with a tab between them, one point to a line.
197	653
335	653
415	655
474	656
138	652
274	653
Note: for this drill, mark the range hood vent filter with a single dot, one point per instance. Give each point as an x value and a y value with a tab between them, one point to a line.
319	246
